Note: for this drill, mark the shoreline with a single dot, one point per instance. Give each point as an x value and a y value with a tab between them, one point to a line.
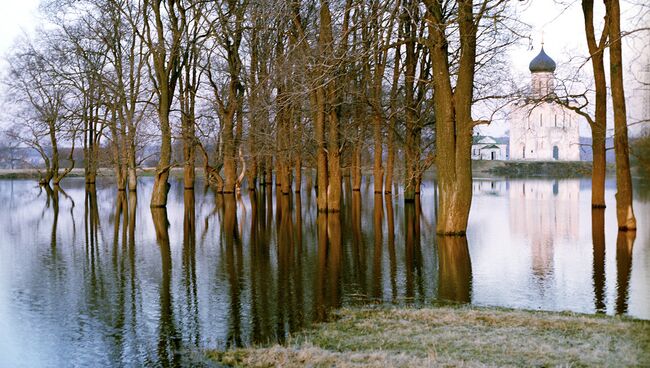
455	336
480	169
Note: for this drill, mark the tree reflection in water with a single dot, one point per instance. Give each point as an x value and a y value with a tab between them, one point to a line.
598	238
260	268
413	252
234	266
390	235
624	247
378	212
454	269
169	342
189	266
359	257
328	274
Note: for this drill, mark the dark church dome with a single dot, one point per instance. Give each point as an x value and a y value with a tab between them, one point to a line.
542	63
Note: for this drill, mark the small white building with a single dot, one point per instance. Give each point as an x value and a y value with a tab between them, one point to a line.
487	148
540	128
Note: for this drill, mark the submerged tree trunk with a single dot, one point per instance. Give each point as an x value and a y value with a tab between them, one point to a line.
298	174
599	123
411	151
333	157
321	156
189	153
378	168
624	210
229	163
166	64
331	102
453	108
160	184
392	125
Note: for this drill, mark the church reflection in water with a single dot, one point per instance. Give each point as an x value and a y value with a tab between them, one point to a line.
544	211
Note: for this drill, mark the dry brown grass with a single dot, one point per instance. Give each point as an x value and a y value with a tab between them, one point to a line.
456	337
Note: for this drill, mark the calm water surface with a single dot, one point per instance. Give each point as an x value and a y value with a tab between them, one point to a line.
96	278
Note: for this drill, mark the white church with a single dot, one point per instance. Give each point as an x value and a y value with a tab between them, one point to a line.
541	129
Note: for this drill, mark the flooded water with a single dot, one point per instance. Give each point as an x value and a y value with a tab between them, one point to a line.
96	278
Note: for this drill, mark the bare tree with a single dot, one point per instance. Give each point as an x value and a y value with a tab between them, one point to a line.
43	99
163	32
624	210
453	98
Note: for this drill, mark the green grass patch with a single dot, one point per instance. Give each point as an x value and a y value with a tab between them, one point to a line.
455	336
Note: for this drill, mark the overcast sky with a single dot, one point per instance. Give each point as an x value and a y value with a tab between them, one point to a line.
561	27
15	16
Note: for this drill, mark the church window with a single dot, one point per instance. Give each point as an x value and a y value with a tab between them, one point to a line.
540	119
556	120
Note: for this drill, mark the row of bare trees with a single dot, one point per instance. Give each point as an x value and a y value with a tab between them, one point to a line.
263	87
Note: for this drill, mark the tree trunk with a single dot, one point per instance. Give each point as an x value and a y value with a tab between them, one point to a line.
321	156
392	125
133	176
229	163
333	158
599	124
378	169
160	184
411	152
624	210
55	156
189	153
252	173
356	165
269	171
298	174
454	123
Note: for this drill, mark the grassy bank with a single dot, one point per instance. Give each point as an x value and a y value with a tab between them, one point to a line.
524	169
449	336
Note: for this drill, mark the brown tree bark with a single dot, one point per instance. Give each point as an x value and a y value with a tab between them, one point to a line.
321	156
599	123
411	149
392	125
453	108
624	210
298	174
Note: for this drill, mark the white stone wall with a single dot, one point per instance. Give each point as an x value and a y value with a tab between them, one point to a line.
538	130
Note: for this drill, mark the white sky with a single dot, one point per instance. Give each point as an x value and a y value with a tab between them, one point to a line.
16	16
